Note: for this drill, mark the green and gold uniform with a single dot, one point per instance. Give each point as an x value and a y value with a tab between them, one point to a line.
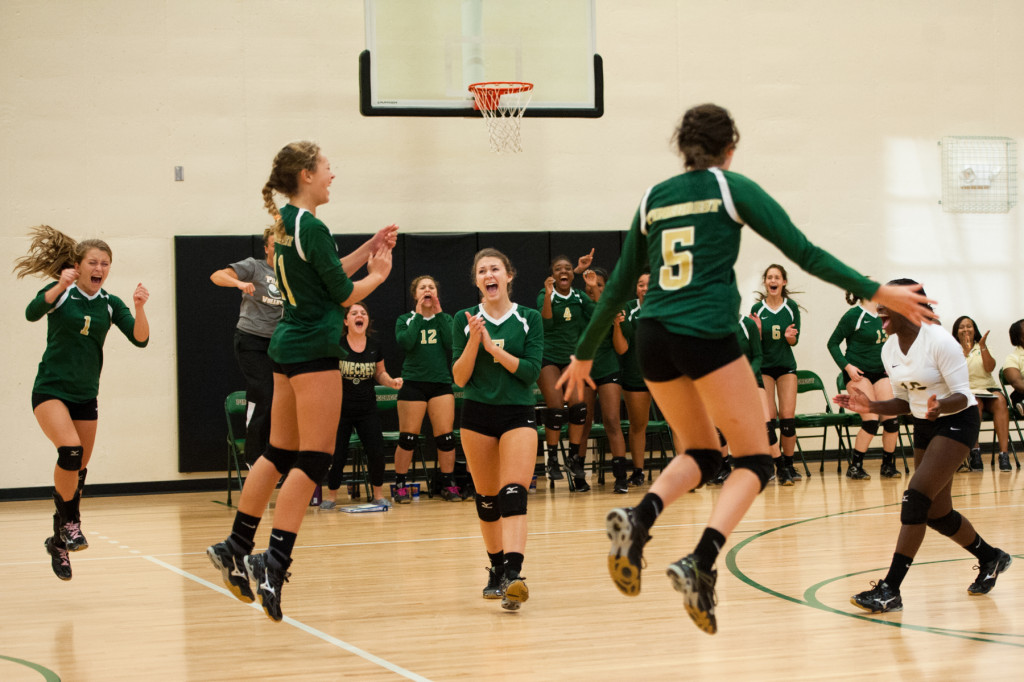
314	285
569	316
687	229
864	337
76	327
427	343
606	361
748	336
629	362
520	332
777	353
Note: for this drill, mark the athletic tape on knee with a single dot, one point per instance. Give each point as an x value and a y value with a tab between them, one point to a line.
555	419
891	425
283	460
487	508
314	464
709	462
914	510
761	465
947	525
512	500
406	440
69	457
787	427
773	438
445	442
578	414
870	425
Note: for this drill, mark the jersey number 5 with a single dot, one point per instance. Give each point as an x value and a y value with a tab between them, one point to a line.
677	269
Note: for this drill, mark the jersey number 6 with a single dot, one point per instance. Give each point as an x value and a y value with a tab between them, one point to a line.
677	269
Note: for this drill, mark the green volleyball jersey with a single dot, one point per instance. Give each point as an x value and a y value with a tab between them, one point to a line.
606	360
569	317
749	338
76	327
313	283
864	337
687	230
427	343
774	323
629	362
520	332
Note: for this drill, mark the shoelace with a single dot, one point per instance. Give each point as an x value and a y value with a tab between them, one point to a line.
74	529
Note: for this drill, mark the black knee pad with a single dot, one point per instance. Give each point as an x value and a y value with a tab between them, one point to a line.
914	510
69	457
555	419
512	500
445	442
870	425
891	425
947	525
721	438
283	460
709	462
578	414
773	438
406	440
761	465
314	464
487	508
787	427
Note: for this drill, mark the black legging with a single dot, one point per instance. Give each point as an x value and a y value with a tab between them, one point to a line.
370	431
258	370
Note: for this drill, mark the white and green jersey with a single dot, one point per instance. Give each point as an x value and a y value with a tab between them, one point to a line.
749	338
76	327
775	348
569	317
313	284
520	333
862	331
427	343
687	230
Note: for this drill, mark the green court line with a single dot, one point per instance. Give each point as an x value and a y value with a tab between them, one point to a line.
810	595
47	674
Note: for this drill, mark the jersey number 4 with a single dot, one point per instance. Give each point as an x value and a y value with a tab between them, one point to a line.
677	262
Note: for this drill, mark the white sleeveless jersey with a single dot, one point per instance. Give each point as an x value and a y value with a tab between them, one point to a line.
934	365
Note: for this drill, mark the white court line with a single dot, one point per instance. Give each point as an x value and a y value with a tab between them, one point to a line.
377	660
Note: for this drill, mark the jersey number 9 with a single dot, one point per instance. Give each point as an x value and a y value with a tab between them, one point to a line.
677	269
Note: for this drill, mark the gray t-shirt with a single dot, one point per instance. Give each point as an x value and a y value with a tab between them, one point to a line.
260	312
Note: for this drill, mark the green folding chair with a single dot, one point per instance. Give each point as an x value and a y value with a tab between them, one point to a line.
809	382
235	407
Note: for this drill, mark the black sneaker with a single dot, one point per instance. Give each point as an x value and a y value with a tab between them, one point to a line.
1004	462
493	588
698	590
857	473
723	473
965	466
574	464
621	486
269	582
451	494
71	534
232	570
783	477
552	469
987	573
974	460
513	592
889	469
879	599
580	485
402	496
796	475
636	479
59	561
626	556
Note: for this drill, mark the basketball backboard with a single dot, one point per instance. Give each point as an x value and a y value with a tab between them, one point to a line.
422	55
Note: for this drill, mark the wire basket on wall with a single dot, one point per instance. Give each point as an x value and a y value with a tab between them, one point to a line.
979	174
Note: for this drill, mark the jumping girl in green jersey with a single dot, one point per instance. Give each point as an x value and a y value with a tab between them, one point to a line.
79	313
687	230
305	349
498	348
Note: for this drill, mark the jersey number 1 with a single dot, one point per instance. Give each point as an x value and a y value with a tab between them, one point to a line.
677	269
279	262
85	330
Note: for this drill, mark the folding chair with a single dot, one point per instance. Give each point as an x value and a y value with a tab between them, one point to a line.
806	382
387	401
235	407
901	424
1014	417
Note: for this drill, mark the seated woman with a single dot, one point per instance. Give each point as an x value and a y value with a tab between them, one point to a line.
985	388
1013	366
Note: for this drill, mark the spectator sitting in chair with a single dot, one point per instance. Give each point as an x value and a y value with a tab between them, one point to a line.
985	388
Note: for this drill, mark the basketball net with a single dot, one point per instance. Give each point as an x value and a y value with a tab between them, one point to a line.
502	106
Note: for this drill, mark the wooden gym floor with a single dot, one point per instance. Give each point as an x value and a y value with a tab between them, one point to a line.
397	595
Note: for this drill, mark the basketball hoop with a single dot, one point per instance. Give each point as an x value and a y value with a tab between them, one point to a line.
502	106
